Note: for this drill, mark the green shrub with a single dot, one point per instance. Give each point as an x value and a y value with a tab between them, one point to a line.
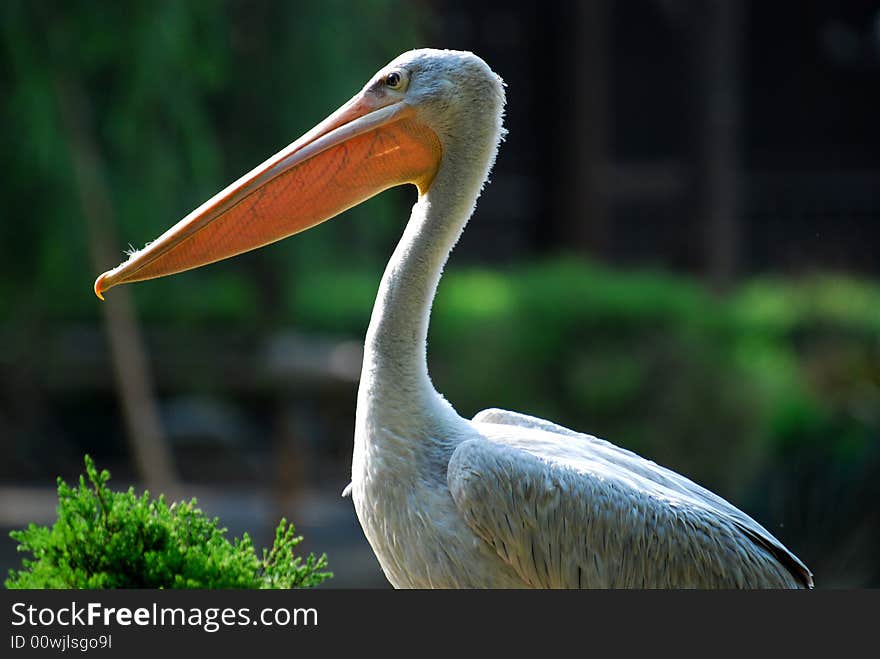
106	539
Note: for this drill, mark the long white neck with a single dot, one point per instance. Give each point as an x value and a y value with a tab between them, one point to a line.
395	388
395	357
397	336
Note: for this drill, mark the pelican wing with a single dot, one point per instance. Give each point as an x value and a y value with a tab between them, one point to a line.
568	510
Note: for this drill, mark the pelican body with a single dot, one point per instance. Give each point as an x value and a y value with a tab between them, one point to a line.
503	500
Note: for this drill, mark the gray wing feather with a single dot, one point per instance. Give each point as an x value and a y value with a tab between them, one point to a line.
587	513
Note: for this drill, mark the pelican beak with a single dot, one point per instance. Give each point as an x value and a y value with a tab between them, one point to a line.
368	145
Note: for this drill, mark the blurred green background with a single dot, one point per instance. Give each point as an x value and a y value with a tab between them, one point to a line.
677	252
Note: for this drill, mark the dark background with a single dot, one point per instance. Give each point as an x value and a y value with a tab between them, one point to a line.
677	252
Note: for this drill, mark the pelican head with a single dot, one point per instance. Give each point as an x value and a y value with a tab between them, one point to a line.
396	130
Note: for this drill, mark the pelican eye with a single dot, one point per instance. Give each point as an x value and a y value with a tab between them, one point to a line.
393	80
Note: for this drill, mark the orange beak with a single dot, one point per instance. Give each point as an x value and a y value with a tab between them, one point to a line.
368	145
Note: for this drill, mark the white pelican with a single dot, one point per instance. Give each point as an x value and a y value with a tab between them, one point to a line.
502	500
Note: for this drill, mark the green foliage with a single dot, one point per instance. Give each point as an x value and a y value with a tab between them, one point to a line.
106	539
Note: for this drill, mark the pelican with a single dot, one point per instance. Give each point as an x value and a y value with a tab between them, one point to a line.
502	500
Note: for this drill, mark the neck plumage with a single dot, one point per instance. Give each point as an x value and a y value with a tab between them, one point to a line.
397	336
395	371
